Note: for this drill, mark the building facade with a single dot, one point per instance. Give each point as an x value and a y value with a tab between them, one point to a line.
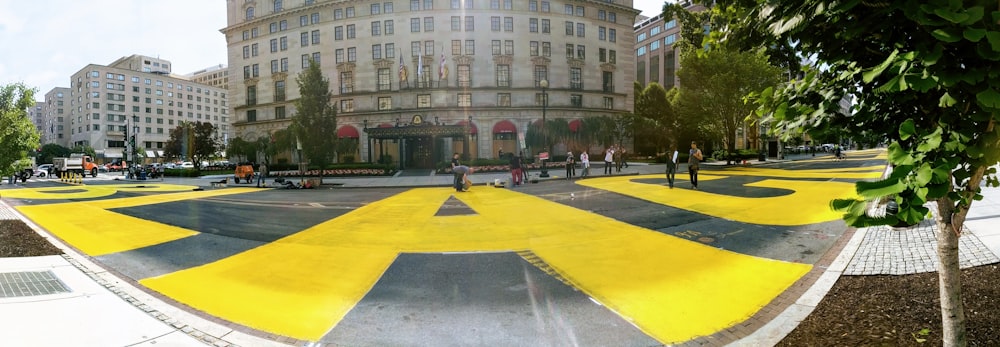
656	59
138	96
215	76
428	68
55	110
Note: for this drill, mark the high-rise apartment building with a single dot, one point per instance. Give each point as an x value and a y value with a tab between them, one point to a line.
135	95
215	76
55	111
37	116
656	58
416	80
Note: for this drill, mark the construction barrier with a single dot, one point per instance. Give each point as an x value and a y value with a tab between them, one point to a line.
71	177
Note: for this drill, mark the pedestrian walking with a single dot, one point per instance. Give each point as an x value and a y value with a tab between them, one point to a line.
262	176
671	166
617	157
585	163
609	155
454	160
694	158
515	170
624	158
524	168
570	165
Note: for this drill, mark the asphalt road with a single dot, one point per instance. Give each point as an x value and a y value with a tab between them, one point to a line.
619	260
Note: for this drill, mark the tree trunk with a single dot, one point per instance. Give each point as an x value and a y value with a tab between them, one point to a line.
949	277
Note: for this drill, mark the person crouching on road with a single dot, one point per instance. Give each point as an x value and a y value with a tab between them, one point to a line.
461	173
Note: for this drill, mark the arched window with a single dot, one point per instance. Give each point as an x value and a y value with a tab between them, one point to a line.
277	5
249	13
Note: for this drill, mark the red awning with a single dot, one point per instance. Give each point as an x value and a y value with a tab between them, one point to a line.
385	125
474	129
574	125
348	131
504	126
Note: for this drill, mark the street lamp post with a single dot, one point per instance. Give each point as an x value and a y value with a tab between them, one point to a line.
545	136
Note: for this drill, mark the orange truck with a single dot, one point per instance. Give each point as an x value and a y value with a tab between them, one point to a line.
76	163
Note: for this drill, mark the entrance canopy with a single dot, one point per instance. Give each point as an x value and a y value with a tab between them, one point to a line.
418	131
348	131
504	126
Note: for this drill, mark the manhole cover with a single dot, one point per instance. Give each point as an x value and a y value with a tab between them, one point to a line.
706	239
30	283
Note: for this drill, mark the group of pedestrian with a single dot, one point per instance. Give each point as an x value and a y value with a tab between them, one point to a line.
694	159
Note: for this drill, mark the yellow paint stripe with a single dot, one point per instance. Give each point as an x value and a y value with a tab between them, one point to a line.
810	200
853	173
94	230
88	192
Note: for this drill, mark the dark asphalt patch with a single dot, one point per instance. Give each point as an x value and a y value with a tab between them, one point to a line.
176	255
263	223
484	299
454	207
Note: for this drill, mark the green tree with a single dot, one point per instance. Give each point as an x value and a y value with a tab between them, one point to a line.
715	84
240	148
85	150
18	136
315	122
924	75
52	150
193	140
652	104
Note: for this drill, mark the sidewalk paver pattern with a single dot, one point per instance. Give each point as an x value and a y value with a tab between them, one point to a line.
302	285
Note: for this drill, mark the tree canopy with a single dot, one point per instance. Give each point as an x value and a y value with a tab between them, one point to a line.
18	136
193	140
315	121
923	74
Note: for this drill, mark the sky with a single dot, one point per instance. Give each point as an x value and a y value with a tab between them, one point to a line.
44	42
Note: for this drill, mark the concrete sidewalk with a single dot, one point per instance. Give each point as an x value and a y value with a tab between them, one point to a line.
71	301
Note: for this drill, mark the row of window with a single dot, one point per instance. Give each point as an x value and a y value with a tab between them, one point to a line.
148	81
656	30
655	45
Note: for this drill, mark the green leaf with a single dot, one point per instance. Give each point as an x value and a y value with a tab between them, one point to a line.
870	75
898	156
989	98
936	191
923	175
994	39
880	188
946	100
907	129
954	17
974	34
931	141
946	35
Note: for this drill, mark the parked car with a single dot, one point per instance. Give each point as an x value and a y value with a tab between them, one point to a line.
116	165
43	170
170	166
186	165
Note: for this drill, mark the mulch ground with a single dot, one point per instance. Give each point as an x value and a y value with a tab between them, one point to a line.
858	310
18	240
900	311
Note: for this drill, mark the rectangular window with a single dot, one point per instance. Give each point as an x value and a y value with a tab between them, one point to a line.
569	50
533	48
546	28
315	57
376	51
508	24
274	45
503	75
569	28
304	38
428	48
601	15
424	101
388	27
575	78
495	23
315	37
541	73
503	99
387	7
390	50
456	47
602	33
608	82
428	24
279	91
384	79
376	28
579	11
494	4
375	8
338	33
314	18
352	54
384	103
611	35
581	52
456	4
414	5
532	25
414	48
346	82
581	29
464	75
283	42
456	23
533	5
338	55
349	12
279	112
347	105
602	55
350	31
251	95
414	25
338	14
274	66
547	49
284	64
495	45
576	100
464	100
545	6
508	47
470	47
469	23
568	9
612	17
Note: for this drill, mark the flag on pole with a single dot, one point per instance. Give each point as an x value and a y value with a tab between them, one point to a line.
400	65
420	65
441	68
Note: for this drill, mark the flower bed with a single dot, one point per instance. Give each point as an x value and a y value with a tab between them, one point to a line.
336	172
506	168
